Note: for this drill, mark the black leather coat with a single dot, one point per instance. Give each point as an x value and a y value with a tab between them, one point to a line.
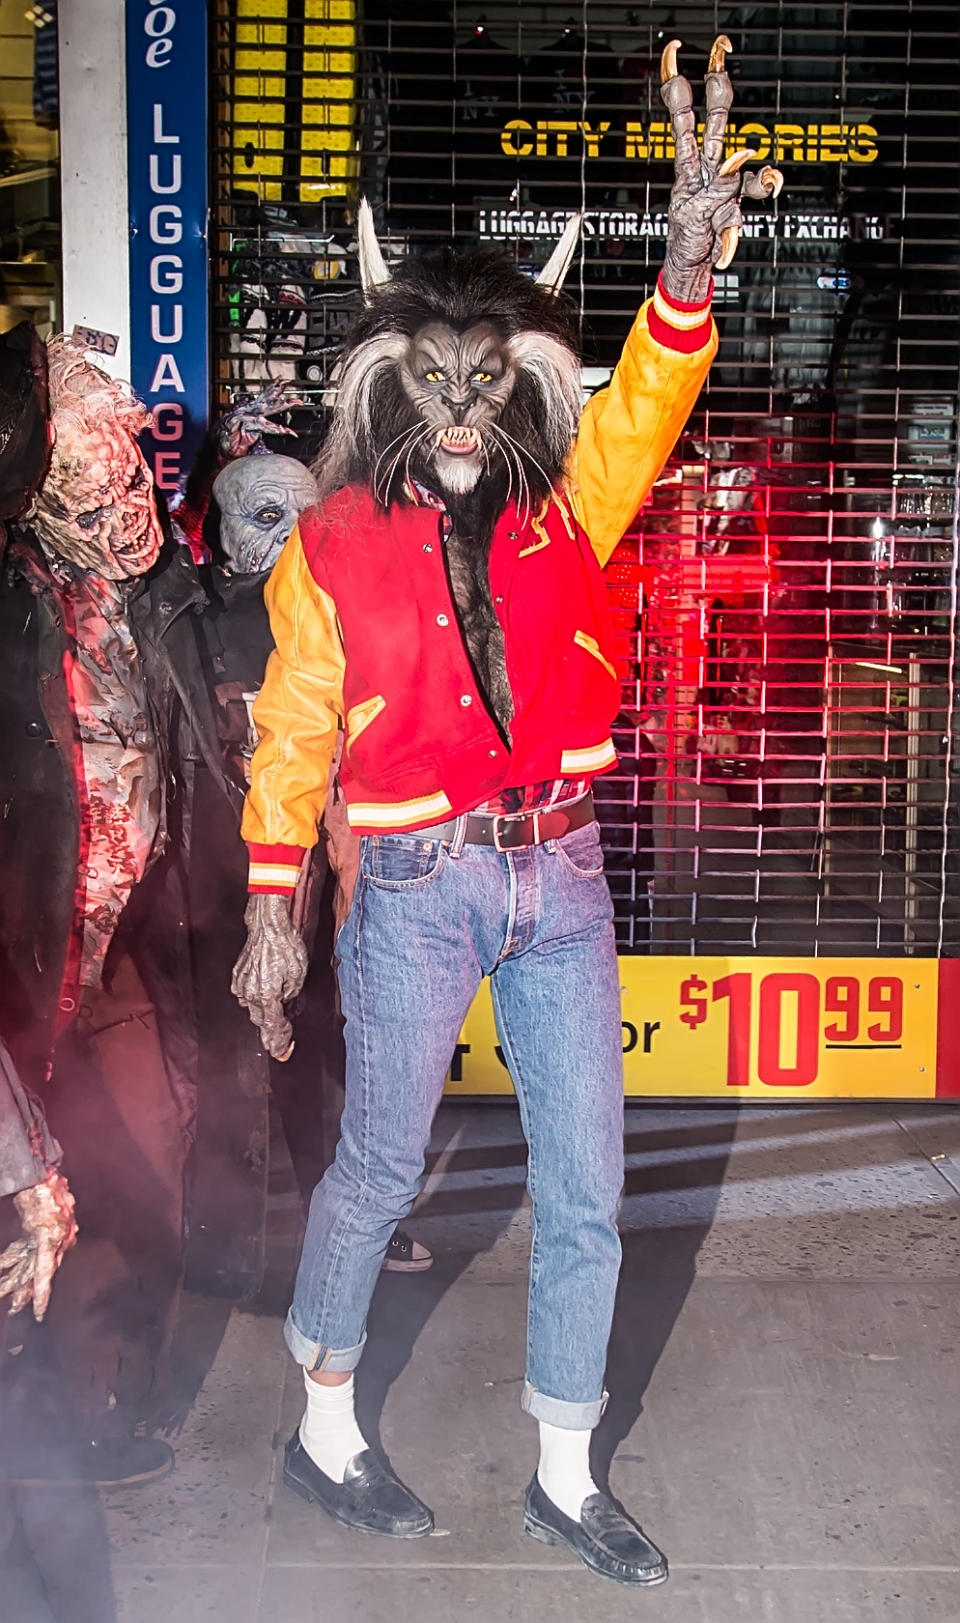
38	799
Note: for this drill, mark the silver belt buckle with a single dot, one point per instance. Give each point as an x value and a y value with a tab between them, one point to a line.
508	820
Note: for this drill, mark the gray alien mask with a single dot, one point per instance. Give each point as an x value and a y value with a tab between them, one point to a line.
260	499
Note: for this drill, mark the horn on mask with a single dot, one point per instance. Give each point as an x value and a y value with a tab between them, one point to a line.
554	271
373	270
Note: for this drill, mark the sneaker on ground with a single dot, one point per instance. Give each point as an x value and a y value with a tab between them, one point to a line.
406	1255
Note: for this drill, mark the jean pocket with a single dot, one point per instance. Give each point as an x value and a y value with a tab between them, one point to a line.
400	862
581	851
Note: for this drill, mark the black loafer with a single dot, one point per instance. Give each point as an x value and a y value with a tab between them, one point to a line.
605	1539
370	1498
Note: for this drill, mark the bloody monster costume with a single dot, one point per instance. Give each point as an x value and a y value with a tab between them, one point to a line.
444	602
109	657
96	522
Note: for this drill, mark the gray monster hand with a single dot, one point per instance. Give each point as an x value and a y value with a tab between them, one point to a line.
704	219
270	971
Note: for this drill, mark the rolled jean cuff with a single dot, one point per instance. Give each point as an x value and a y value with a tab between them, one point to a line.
313	1355
558	1412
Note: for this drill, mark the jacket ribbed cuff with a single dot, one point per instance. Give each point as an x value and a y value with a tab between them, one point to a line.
274	869
677	324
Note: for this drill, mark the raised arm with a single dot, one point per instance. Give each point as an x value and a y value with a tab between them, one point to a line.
628	430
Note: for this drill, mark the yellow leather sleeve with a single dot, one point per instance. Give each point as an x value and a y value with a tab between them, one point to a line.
297	711
628	430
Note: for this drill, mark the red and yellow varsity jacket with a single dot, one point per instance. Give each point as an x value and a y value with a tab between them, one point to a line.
367	636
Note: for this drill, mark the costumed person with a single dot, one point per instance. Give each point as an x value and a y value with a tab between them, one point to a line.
105	715
257	496
444	600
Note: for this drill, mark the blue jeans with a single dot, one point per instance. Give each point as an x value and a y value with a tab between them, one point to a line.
425	927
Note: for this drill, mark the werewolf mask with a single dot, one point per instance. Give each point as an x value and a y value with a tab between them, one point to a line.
461	374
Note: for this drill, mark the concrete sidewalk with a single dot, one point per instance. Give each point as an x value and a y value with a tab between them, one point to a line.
785	1398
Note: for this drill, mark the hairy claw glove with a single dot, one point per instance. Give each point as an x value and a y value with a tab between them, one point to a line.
704	217
49	1229
270	971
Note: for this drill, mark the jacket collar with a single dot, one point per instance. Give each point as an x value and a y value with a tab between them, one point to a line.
420	496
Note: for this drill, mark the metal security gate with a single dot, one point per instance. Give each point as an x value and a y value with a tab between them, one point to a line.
787	599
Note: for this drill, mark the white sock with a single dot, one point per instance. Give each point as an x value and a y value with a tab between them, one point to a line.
564	1469
329	1430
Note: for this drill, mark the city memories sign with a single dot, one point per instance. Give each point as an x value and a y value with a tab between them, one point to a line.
650	140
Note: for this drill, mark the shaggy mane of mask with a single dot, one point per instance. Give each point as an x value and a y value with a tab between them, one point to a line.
367	440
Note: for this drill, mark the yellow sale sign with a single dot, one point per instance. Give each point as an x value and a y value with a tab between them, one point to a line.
777	1029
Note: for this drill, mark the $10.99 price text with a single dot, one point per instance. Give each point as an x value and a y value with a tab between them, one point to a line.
843	1012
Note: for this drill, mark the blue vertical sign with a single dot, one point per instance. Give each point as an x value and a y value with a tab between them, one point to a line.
167	169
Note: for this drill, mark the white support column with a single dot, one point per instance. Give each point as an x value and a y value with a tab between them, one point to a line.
93	145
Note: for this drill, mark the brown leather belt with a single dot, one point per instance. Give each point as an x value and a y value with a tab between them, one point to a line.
516	832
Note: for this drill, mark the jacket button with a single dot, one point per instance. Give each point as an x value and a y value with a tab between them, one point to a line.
499	598
513	535
428	546
442	620
493	755
465	699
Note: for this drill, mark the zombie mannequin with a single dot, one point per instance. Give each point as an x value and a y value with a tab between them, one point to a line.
96	522
119	687
106	715
258	498
444	598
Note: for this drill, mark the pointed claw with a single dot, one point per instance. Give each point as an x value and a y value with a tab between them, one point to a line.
729	239
668	61
718	54
771	180
735	162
